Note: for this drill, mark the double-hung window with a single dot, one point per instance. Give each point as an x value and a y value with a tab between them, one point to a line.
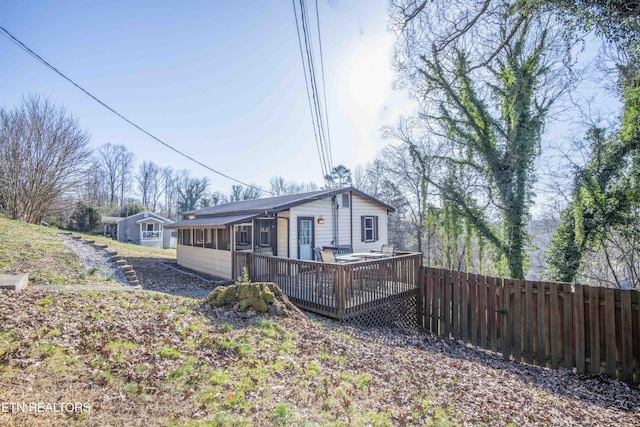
369	228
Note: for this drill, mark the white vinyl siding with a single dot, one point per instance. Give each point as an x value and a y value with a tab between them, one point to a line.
322	232
362	207
211	261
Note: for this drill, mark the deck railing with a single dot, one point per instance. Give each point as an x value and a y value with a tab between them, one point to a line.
151	235
339	290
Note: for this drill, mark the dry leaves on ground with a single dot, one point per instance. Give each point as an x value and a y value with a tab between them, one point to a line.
140	358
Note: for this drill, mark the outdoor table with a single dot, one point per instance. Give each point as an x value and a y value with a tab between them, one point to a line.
368	255
348	258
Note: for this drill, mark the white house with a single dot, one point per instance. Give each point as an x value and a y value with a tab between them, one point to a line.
288	226
146	229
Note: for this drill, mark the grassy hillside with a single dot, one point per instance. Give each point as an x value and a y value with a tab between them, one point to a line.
40	252
94	358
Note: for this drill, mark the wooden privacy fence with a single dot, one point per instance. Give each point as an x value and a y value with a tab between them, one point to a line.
555	325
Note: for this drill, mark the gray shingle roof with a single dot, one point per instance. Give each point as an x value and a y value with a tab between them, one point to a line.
278	204
211	221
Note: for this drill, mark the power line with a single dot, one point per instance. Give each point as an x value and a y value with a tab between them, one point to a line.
314	83
42	61
306	82
321	131
324	89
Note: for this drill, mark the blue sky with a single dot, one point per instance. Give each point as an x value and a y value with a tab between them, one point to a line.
219	80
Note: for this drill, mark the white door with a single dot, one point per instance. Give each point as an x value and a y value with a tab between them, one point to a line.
305	238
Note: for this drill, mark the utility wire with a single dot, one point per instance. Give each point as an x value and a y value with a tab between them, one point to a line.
306	82
324	90
314	83
41	60
304	32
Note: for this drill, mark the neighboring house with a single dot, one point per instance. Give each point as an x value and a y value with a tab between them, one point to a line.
286	226
110	225
146	229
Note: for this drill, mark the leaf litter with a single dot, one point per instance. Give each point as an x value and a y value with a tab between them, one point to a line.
142	358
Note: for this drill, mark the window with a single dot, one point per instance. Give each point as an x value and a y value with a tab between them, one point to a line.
369	228
224	239
345	201
265	230
186	237
199	240
208	238
243	236
264	236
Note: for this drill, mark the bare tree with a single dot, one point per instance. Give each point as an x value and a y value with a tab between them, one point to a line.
279	186
409	169
43	155
239	192
190	191
148	179
93	193
115	165
168	179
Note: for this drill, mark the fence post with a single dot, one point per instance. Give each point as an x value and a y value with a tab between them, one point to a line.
567	312
542	336
505	313
554	325
420	309
610	330
340	291
516	320
627	346
492	314
249	265
579	328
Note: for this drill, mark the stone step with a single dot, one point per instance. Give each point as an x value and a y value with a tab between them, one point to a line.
134	283
116	258
88	242
99	245
121	261
14	282
76	237
126	268
111	252
130	274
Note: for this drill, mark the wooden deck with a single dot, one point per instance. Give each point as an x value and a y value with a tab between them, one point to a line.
338	290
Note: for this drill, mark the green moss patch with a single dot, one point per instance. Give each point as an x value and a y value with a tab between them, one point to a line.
262	297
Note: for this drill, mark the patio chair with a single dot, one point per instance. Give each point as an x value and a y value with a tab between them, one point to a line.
316	254
389	250
328	256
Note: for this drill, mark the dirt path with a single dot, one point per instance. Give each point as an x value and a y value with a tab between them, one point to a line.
153	273
165	275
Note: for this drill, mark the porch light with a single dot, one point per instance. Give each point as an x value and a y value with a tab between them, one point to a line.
320	220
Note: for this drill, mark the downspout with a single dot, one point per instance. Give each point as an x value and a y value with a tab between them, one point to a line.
351	217
334	218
